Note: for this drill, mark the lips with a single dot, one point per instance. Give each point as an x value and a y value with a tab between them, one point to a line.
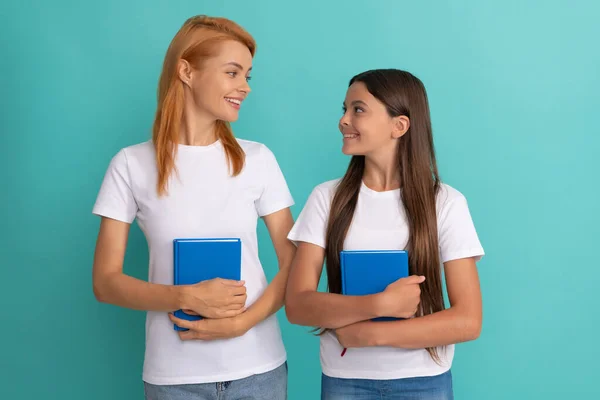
349	136
234	102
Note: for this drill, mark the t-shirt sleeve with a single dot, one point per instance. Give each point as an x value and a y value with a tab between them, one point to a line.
115	199
457	235
311	225
276	194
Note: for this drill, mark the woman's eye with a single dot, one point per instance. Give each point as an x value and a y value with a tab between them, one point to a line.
248	78
233	74
358	110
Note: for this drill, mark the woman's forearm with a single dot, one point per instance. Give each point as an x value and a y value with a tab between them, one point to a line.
129	292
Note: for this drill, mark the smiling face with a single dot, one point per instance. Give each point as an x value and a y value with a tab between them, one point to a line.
220	84
366	124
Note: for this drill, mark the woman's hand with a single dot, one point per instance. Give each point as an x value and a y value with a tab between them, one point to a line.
211	329
215	298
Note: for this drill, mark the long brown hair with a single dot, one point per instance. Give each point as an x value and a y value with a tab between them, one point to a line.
195	41
402	94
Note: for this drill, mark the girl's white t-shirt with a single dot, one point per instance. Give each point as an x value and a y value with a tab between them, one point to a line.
203	201
380	223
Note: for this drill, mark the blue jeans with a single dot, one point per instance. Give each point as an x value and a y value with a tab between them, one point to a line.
271	385
421	388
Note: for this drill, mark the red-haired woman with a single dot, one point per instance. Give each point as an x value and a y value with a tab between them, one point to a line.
195	179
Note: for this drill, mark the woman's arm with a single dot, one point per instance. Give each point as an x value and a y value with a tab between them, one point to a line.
306	306
216	298
459	323
278	224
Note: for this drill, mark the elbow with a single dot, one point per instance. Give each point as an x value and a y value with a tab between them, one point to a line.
99	293
292	310
471	329
100	288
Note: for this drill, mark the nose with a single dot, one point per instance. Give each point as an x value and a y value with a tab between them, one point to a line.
245	88
344	121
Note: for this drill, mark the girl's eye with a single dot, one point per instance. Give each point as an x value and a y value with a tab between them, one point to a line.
233	74
358	110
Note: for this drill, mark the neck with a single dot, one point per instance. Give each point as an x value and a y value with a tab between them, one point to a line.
381	170
197	128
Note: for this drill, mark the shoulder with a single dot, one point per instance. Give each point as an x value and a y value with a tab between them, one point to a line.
259	157
449	198
128	161
325	191
448	194
328	187
254	149
138	151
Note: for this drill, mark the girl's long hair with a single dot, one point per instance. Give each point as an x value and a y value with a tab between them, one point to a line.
402	94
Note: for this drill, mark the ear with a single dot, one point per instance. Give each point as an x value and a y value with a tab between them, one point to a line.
401	125
184	70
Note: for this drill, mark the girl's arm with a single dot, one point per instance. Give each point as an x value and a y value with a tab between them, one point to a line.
459	323
306	306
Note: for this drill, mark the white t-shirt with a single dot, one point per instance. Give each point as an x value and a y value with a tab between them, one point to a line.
203	201
380	223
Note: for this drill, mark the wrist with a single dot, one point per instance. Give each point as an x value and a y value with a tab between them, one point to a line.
378	336
181	297
378	302
244	322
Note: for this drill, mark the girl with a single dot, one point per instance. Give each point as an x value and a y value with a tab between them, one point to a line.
390	198
195	179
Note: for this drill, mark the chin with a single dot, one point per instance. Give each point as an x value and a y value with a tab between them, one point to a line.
228	117
349	151
353	153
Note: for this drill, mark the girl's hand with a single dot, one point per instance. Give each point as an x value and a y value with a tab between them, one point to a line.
401	299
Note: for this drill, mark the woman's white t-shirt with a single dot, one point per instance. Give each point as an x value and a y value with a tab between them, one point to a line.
203	201
380	223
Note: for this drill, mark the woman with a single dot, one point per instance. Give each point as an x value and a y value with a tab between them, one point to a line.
194	179
390	198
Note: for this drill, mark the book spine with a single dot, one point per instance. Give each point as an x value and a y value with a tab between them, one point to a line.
343	272
175	263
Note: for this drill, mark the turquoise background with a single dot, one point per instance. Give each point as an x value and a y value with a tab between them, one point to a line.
514	90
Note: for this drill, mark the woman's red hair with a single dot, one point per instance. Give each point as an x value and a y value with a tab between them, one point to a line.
195	41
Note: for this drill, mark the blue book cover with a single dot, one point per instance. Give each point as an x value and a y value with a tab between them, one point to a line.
367	272
197	260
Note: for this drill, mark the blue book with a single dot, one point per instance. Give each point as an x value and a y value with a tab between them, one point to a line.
197	260
367	272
